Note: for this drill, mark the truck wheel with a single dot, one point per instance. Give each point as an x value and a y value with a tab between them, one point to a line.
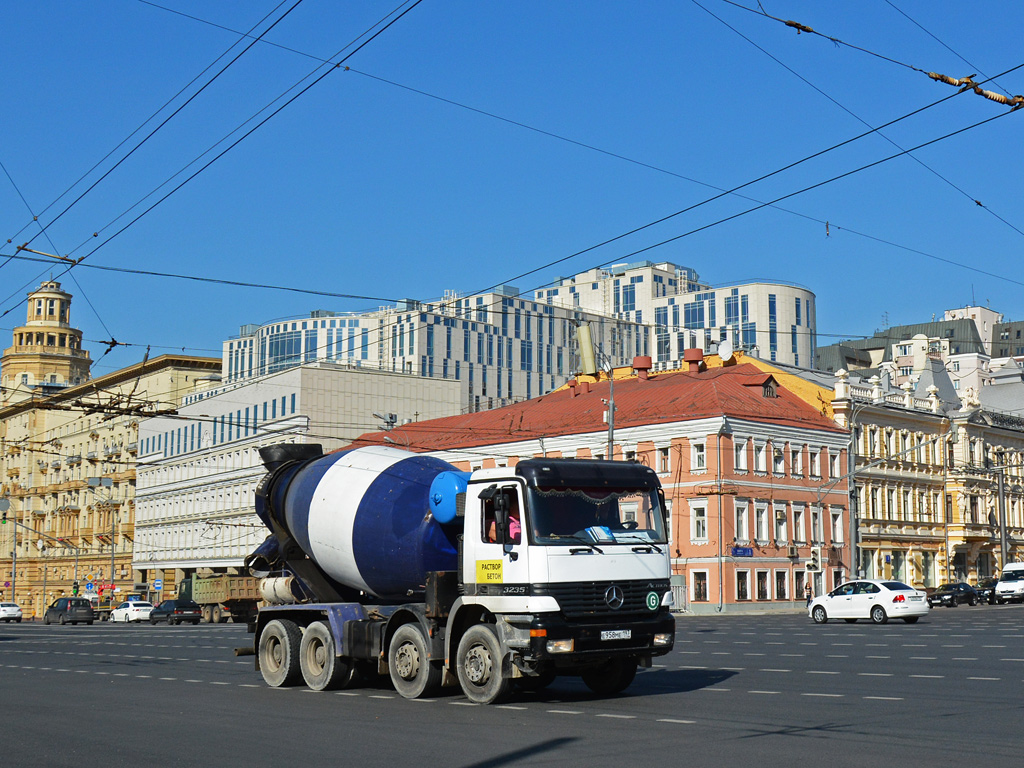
321	668
612	677
207	614
412	672
279	653
216	616
479	666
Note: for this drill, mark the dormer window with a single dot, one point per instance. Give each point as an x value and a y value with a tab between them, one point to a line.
768	389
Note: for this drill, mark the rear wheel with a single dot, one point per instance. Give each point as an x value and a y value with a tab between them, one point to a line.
878	615
321	668
412	672
216	616
819	615
613	677
479	666
207	614
279	653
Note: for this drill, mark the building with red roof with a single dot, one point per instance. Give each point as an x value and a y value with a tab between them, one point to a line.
754	476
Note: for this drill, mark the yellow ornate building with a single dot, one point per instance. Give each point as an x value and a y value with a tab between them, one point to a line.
68	445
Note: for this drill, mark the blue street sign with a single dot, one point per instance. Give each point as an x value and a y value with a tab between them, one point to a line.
90	587
742	551
158	584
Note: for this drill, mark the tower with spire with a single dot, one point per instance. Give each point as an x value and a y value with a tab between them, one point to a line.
46	353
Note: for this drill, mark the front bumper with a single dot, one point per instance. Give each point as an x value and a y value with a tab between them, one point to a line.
587	639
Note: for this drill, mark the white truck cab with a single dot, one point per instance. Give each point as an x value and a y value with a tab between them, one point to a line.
1010	587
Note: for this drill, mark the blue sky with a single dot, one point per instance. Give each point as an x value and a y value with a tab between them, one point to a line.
365	187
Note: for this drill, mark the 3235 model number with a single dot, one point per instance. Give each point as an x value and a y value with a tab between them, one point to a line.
514	589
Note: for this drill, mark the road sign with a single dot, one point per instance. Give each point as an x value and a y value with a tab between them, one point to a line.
158	584
90	587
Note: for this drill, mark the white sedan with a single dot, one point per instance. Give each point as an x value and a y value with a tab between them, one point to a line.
136	610
10	612
870	599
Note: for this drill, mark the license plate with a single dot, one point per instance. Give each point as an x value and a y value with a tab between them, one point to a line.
915	598
616	634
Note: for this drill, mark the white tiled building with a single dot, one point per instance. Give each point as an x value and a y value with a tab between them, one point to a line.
774	320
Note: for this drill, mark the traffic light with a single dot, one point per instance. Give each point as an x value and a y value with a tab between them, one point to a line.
814	564
74	588
4	521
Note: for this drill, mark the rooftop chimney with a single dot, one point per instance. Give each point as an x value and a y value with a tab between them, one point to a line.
642	365
693	358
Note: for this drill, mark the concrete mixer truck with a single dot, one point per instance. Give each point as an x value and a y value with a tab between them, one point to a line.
385	562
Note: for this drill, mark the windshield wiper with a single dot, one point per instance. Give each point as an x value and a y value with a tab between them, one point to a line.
581	540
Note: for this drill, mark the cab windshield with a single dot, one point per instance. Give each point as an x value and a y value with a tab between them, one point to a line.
1014	575
595	516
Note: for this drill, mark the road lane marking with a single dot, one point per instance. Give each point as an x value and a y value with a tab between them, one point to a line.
930	677
565	712
875	674
825	695
767	693
618	717
984	678
884	698
677	722
820	672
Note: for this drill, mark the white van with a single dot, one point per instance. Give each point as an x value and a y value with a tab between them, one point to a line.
1011	583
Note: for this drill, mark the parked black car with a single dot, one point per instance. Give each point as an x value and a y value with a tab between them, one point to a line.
986	589
69	610
176	612
952	595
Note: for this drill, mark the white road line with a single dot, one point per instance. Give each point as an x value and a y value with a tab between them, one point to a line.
508	706
343	693
875	674
877	657
776	670
984	678
825	695
883	698
923	658
820	672
767	693
618	717
930	677
564	712
381	696
715	690
677	722
218	682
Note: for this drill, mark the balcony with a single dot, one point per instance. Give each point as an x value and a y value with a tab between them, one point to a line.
74	459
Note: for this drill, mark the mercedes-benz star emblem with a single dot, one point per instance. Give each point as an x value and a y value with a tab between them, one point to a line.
614	597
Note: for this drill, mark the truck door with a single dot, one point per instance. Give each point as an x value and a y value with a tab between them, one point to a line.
499	546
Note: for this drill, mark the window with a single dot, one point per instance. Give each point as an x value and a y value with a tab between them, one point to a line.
740	450
798	525
742	530
782	585
796	461
700	587
663	459
699	531
837	525
816	529
759	459
742	585
815	459
833	465
762	585
781	525
698	459
778	461
761	523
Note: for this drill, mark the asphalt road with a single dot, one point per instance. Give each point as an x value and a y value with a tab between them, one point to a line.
770	690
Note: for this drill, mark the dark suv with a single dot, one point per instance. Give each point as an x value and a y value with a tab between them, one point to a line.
71	610
176	612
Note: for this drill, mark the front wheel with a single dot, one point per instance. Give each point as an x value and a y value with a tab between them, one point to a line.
63	619
279	653
819	615
973	601
878	615
412	672
613	677
479	666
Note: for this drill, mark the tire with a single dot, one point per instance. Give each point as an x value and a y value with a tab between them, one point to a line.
216	616
911	619
819	615
611	678
412	672
478	663
18	621
321	668
953	603
63	619
279	653
46	618
878	615
973	601
207	614
153	621
533	683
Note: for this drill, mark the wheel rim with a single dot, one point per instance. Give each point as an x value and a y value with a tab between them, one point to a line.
275	653
407	661
478	665
316	657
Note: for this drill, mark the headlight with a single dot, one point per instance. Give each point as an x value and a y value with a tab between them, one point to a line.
663	638
560	646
